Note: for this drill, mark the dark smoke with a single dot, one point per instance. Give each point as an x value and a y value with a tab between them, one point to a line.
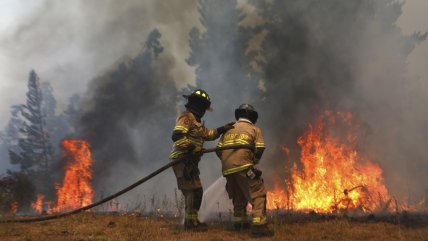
344	56
128	116
313	56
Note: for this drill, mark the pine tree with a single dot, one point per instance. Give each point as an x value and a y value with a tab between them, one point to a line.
35	151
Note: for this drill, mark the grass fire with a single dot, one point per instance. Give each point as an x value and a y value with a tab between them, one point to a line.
334	175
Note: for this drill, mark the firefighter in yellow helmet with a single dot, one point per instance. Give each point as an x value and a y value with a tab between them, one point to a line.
188	136
244	183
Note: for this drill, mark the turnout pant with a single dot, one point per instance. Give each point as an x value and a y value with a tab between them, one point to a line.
243	190
191	187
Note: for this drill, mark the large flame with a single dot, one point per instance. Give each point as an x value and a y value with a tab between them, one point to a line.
333	175
76	190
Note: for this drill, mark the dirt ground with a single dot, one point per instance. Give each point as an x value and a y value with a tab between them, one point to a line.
96	227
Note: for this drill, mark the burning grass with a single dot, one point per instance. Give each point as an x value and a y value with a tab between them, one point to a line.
91	226
333	176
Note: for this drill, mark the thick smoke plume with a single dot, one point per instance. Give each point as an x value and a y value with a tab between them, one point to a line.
345	56
128	115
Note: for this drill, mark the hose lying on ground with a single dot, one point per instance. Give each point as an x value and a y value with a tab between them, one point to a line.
127	189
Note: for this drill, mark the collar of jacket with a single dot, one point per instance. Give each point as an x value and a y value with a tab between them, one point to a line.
245	120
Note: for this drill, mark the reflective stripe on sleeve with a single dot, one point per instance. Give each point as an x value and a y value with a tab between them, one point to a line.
260	145
181	128
181	141
176	154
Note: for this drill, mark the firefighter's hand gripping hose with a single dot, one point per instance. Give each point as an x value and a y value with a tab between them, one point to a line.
127	189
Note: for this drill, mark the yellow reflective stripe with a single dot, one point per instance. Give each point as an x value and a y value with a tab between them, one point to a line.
181	128
181	141
257	220
236	169
187	139
196	142
233	142
211	133
260	144
191	216
176	154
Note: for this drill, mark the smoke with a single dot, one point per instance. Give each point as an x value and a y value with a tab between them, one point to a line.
345	56
68	43
315	56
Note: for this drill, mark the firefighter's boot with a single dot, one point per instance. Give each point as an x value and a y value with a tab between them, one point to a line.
241	226
261	231
195	225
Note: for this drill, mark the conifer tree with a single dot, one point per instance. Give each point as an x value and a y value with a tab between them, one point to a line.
35	150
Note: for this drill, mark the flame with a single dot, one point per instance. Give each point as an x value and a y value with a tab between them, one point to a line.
76	190
14	207
277	199
38	204
333	175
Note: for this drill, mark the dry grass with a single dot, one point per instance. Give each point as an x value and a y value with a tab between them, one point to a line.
85	227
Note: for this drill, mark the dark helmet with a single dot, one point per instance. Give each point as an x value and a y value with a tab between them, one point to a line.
198	101
246	111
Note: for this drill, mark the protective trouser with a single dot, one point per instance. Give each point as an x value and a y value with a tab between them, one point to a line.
193	201
243	190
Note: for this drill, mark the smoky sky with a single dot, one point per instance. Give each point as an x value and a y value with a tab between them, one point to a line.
68	43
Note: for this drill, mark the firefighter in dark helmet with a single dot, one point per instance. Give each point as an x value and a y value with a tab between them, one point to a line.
244	183
188	136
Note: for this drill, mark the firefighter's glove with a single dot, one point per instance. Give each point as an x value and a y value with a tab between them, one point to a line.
222	129
253	173
257	172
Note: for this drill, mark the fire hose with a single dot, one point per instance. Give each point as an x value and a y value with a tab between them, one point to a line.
117	194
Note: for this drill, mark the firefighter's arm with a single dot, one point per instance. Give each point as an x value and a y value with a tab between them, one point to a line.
210	135
179	134
259	146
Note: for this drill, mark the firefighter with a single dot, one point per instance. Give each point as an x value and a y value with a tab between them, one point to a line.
188	136
244	183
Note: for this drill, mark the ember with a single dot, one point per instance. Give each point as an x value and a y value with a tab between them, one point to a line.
333	176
